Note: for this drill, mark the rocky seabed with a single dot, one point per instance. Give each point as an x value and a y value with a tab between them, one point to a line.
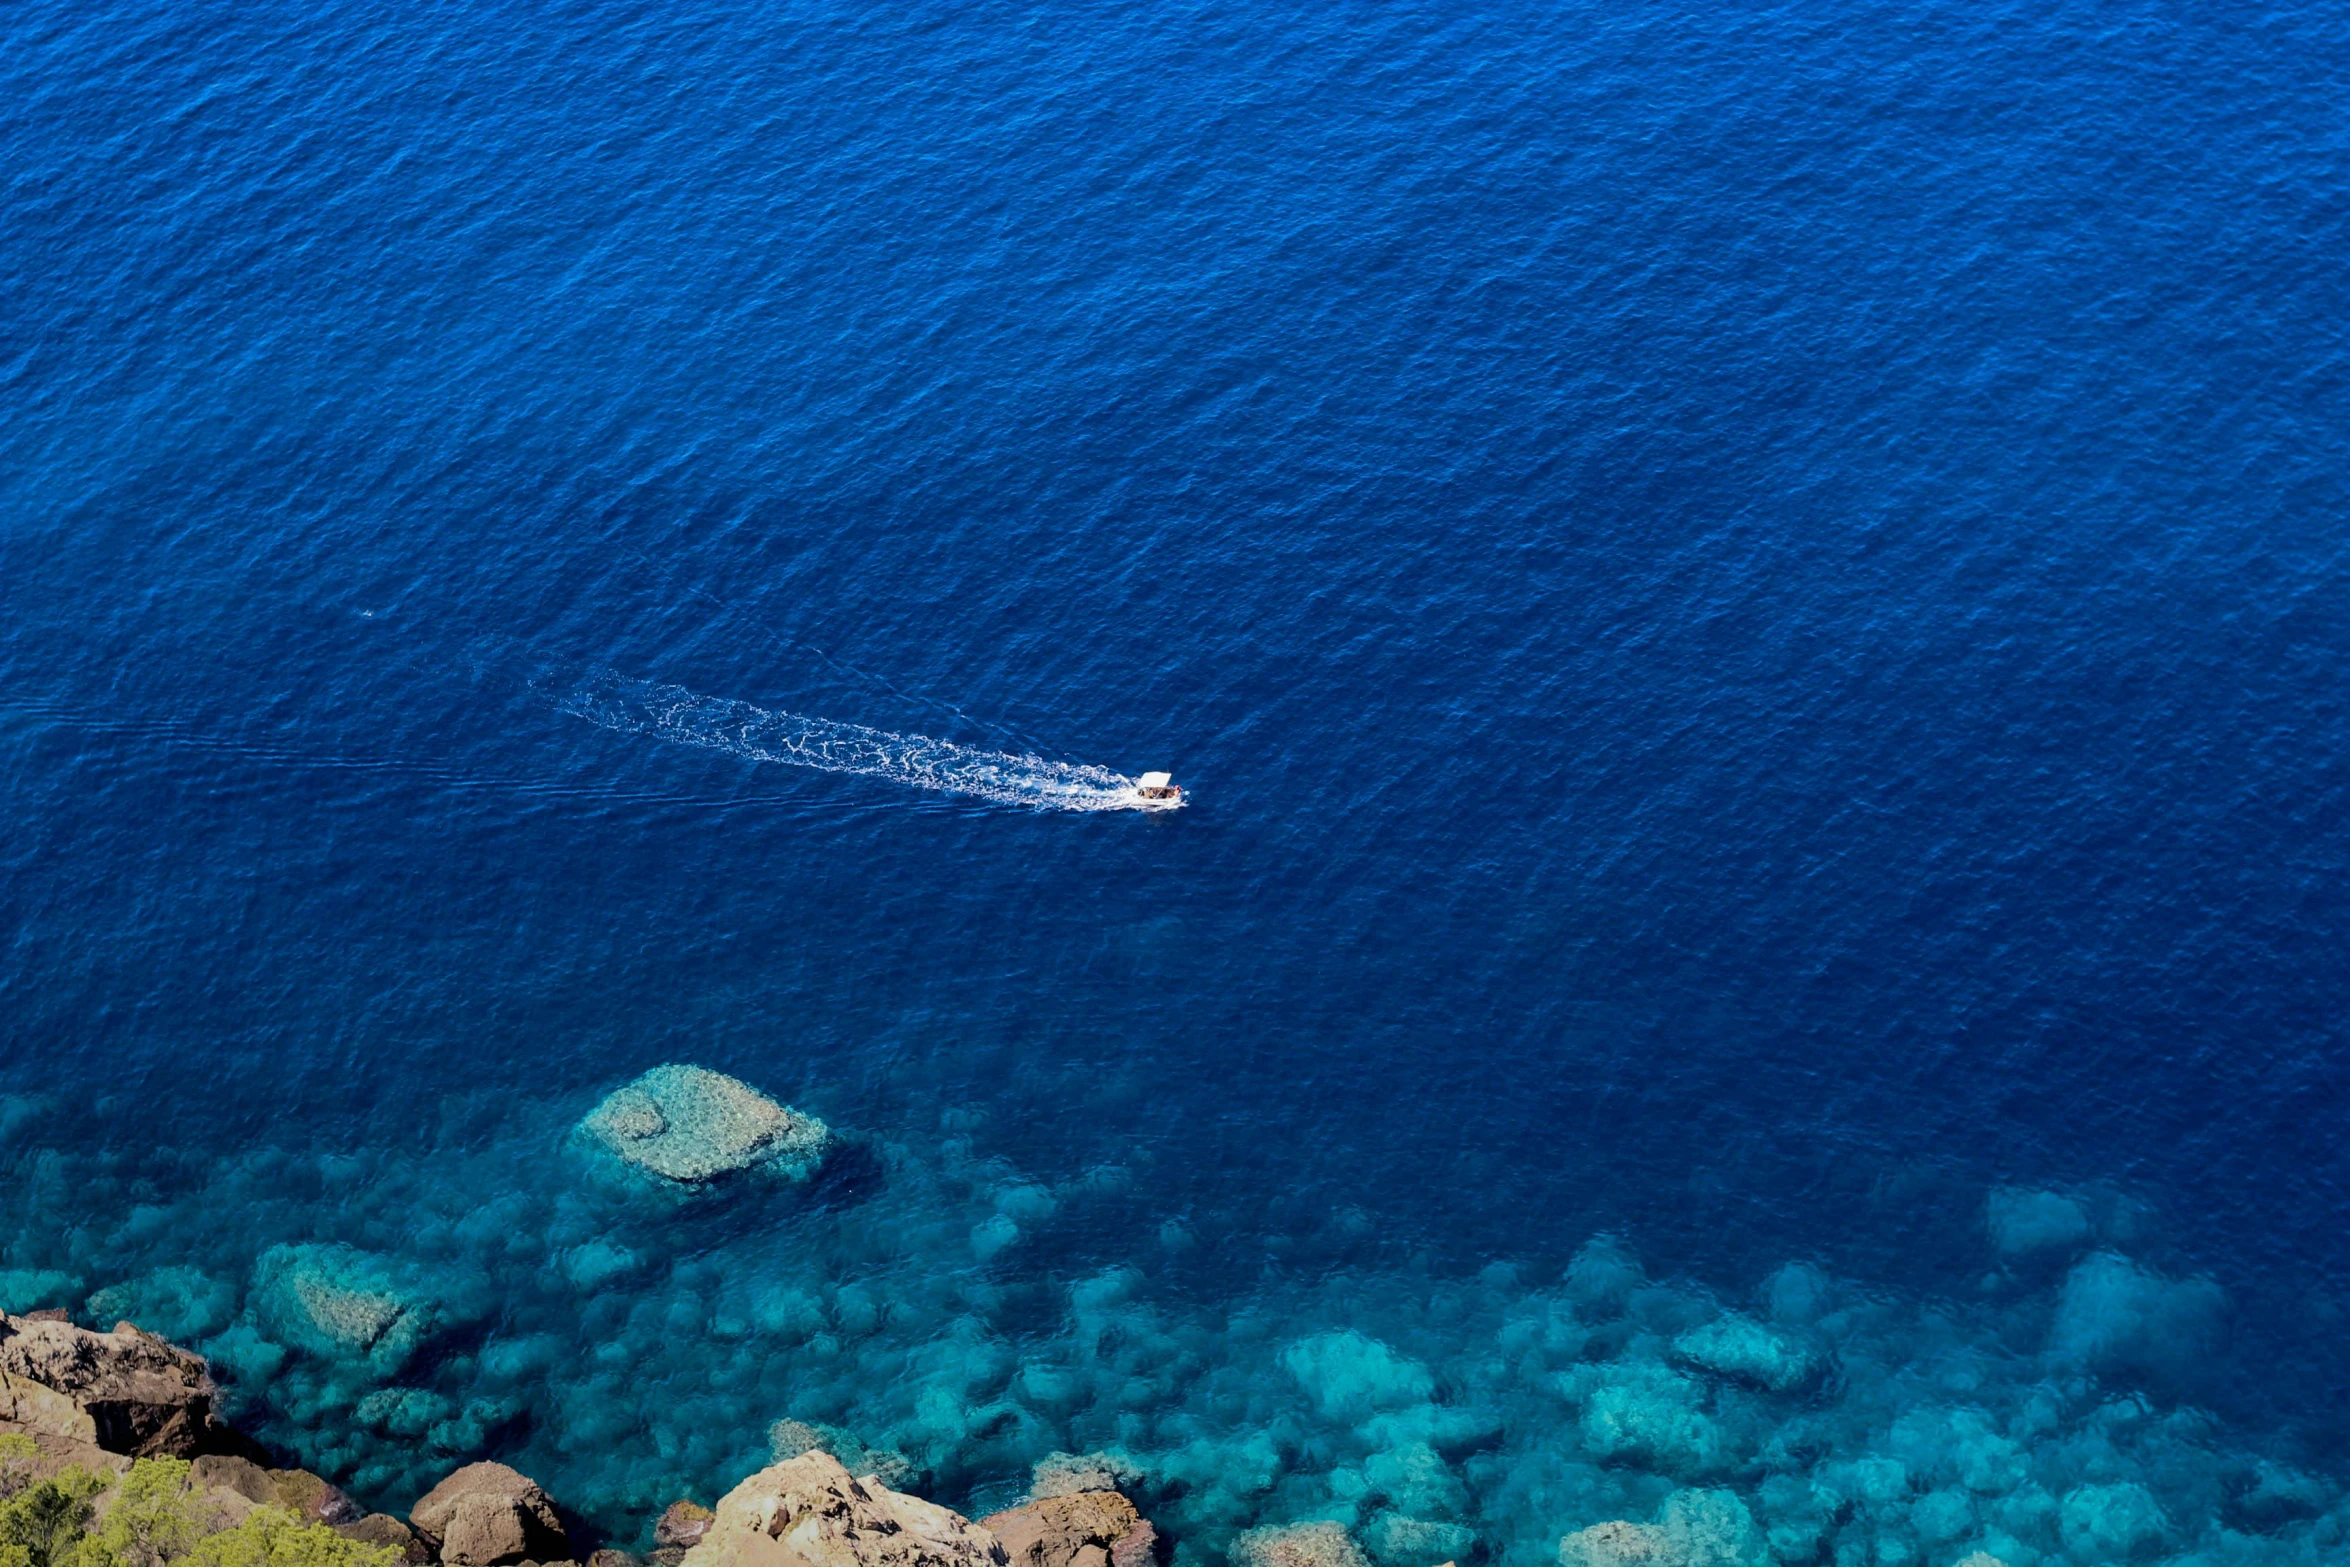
697	1295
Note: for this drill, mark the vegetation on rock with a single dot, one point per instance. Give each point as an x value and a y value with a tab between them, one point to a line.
152	1517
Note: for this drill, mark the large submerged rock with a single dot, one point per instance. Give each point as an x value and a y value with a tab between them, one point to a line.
1744	1350
1298	1545
688	1125
126	1391
486	1515
1695	1528
811	1512
345	1304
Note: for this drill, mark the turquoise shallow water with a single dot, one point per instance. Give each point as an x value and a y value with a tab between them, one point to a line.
1749	597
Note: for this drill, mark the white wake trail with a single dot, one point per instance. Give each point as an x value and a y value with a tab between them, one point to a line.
739	729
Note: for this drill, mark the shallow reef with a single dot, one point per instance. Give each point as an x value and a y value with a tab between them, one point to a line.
383	1315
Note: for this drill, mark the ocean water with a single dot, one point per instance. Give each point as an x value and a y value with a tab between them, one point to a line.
1751	598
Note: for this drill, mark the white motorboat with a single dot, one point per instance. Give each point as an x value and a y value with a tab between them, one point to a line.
1157	792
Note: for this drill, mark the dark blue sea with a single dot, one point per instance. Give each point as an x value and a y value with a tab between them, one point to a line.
1751	598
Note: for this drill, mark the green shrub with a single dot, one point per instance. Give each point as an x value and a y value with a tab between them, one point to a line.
18	1454
42	1524
155	1520
271	1538
152	1520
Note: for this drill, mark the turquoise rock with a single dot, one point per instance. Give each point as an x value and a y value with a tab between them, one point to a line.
1351	1377
2102	1523
1694	1528
1397	1540
1416	1481
346	1305
1746	1351
181	1304
1641	1412
36	1289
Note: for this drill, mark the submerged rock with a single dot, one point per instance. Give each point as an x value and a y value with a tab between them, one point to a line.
1641	1412
486	1515
810	1512
1066	1474
179	1303
34	1292
1400	1540
1617	1543
126	1391
1297	1545
2024	1222
2112	1522
1082	1529
1351	1377
2114	1318
1743	1350
689	1125
788	1439
345	1304
1696	1528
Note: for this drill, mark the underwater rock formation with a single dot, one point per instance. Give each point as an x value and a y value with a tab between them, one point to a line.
1066	1474
688	1125
788	1439
126	1391
810	1512
626	1348
1352	1378
1744	1350
1694	1529
2022	1223
487	1515
1638	1411
1399	1540
1297	1545
345	1304
2113	1315
179	1303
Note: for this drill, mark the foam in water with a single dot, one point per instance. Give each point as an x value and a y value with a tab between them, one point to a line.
739	729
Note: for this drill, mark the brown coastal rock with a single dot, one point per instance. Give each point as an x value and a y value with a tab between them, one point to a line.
298	1491
487	1515
55	1454
682	1525
1084	1529
810	1512
384	1529
126	1391
1139	1547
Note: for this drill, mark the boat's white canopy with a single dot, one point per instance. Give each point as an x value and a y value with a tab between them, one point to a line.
1155	780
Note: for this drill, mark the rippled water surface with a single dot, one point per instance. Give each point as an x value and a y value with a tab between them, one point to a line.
1751	596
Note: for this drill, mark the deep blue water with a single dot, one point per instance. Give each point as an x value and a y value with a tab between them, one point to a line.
1752	597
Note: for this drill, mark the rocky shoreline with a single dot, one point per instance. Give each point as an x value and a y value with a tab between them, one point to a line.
103	1425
